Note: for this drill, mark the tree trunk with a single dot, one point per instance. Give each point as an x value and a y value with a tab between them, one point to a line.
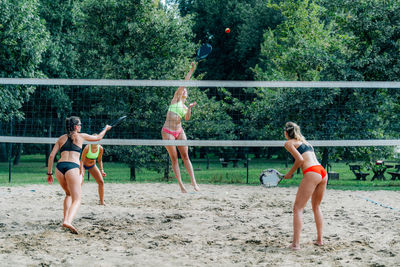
325	158
193	154
48	148
133	173
257	152
166	169
203	151
3	153
18	151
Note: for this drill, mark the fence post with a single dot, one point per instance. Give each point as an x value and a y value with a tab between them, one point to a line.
247	165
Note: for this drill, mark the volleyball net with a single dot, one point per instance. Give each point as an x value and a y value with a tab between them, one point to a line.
233	122
228	113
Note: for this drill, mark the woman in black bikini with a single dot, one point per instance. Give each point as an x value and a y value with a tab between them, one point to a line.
67	170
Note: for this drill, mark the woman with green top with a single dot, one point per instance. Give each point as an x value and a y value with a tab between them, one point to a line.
172	130
90	153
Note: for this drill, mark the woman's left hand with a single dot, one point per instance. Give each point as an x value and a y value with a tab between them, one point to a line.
192	104
50	178
288	176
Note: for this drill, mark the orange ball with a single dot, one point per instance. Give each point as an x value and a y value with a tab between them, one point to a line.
227	30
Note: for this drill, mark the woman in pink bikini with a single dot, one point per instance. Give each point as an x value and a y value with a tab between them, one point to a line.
172	130
313	184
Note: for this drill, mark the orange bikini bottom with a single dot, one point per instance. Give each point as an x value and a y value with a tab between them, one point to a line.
317	169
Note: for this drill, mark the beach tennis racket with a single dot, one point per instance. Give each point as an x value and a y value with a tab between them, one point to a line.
118	121
203	52
270	177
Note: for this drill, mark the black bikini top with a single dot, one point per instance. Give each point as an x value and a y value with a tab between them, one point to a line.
304	148
70	146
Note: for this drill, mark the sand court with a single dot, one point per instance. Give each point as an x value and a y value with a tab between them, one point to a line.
224	225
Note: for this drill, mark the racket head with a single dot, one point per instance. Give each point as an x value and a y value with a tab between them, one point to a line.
118	121
270	177
203	52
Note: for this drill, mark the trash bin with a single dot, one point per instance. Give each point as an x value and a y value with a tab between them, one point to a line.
333	175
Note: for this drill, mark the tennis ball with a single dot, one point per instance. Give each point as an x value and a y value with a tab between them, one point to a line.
227	30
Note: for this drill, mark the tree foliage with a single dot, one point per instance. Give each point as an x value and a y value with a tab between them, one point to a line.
307	47
23	39
306	40
234	53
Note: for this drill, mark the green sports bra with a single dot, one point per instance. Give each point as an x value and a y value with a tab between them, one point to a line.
178	108
91	155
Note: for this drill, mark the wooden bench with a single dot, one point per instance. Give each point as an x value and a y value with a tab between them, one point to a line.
395	174
356	169
223	162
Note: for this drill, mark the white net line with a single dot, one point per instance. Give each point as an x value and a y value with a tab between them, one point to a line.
208	143
194	83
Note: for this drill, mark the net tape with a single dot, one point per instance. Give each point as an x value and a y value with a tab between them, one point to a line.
194	83
207	143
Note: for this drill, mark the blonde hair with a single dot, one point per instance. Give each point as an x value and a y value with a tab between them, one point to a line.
293	131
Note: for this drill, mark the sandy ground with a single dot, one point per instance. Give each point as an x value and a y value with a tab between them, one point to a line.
155	225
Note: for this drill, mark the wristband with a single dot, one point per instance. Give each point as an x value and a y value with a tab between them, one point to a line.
49	173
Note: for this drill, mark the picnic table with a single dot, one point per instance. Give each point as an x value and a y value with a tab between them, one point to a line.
225	161
379	170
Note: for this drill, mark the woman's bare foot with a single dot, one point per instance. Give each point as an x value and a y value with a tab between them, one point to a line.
183	190
294	247
102	203
318	243
196	187
70	227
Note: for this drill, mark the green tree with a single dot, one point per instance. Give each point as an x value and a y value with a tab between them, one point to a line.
301	48
375	30
135	40
23	39
307	46
234	53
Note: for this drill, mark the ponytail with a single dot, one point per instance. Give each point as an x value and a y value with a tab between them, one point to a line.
70	126
293	131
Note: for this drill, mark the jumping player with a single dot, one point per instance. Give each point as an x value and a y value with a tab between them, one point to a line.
172	130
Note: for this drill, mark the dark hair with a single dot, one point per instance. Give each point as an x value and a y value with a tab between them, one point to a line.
293	131
70	125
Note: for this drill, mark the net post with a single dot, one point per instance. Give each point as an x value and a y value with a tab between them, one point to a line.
10	152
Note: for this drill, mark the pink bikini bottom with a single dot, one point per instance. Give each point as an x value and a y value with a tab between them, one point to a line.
173	133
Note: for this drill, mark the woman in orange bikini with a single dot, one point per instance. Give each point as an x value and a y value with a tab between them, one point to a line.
172	130
68	171
313	184
90	153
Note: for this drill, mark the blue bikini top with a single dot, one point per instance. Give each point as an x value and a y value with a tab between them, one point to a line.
304	148
70	146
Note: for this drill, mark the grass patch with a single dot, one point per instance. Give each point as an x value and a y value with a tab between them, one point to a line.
32	170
